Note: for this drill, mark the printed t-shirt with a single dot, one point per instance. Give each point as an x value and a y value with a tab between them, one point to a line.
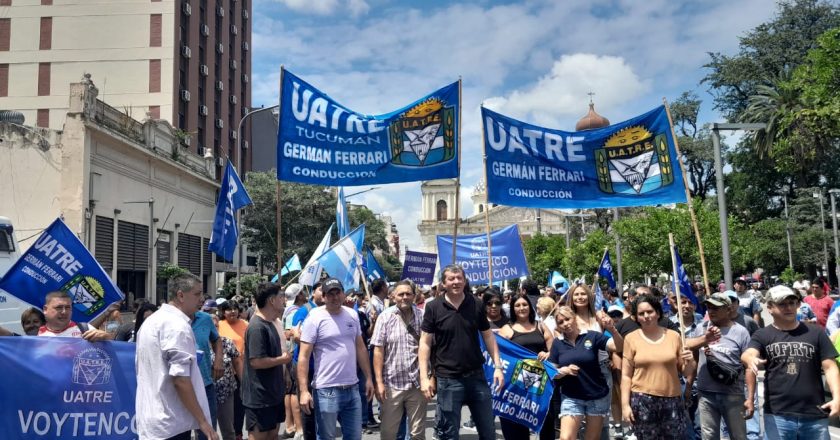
590	383
654	363
728	349
333	339
793	383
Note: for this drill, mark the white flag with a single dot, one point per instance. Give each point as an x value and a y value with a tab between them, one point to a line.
312	271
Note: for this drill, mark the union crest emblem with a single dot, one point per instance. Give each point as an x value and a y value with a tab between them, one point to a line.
87	293
530	375
92	367
424	135
634	161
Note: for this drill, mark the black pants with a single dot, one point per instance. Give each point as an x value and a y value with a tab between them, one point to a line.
238	411
182	436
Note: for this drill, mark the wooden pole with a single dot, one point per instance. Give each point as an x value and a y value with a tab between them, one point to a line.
278	197
487	209
457	181
677	288
688	198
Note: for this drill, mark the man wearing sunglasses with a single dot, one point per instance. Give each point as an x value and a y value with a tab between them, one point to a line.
793	354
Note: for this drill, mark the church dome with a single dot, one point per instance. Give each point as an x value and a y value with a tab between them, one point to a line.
592	120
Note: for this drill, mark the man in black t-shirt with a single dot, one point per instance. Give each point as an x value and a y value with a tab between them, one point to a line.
453	322
794	353
263	387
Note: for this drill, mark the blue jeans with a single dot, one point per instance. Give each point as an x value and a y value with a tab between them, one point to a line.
473	391
792	428
341	404
210	390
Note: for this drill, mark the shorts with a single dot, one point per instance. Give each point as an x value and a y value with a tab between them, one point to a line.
290	375
264	419
570	406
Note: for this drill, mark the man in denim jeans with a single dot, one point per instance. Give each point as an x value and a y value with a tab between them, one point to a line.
794	354
333	335
453	322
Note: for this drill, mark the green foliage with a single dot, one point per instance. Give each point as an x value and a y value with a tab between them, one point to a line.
168	271
695	144
583	257
247	287
789	275
544	253
375	234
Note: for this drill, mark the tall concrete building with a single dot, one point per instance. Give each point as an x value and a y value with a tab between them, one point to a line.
184	61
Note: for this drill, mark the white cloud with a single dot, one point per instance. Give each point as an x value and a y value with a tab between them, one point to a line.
326	7
561	92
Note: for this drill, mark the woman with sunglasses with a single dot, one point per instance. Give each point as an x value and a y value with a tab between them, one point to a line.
492	300
524	330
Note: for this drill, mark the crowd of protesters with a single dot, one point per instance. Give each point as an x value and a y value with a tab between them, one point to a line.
638	363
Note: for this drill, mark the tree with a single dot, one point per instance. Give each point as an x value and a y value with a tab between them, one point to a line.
375	233
768	50
695	144
584	257
306	212
544	253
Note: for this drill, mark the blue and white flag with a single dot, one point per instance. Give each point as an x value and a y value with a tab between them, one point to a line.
342	260
471	253
605	269
84	390
232	196
311	273
372	268
632	163
341	217
292	265
558	281
320	141
599	297
525	397
686	289
58	260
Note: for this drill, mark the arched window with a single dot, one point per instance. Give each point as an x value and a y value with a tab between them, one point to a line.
441	210
480	207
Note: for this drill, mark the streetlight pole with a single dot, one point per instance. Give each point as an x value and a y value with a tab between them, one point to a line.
825	244
832	193
239	212
787	232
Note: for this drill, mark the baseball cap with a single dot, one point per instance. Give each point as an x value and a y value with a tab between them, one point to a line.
209	305
220	301
733	295
615	310
292	292
780	293
718	299
330	284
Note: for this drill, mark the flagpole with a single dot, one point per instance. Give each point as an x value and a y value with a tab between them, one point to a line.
595	282
677	288
457	181
688	196
278	194
486	211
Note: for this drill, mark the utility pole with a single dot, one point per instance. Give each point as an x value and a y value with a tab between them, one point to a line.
822	227
832	193
787	232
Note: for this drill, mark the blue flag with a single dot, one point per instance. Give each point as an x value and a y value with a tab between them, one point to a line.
320	141
372	268
471	253
59	261
605	270
89	387
232	196
292	265
685	283
343	258
556	278
632	163
526	380
341	217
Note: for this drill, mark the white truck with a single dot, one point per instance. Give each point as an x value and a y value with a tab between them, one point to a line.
10	306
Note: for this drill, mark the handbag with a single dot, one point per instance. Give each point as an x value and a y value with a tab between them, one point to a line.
723	372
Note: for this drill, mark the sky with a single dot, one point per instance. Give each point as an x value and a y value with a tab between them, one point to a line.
531	60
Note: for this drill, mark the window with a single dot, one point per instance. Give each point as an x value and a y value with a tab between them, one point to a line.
45	34
155	26
441	210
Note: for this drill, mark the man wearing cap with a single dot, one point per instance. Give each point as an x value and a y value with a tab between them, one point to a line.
720	376
749	304
333	336
211	364
793	354
738	315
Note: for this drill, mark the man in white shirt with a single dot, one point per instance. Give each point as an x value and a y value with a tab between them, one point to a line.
58	309
170	400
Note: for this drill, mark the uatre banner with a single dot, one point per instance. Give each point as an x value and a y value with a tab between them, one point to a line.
526	396
419	267
471	253
67	388
632	163
321	142
58	260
